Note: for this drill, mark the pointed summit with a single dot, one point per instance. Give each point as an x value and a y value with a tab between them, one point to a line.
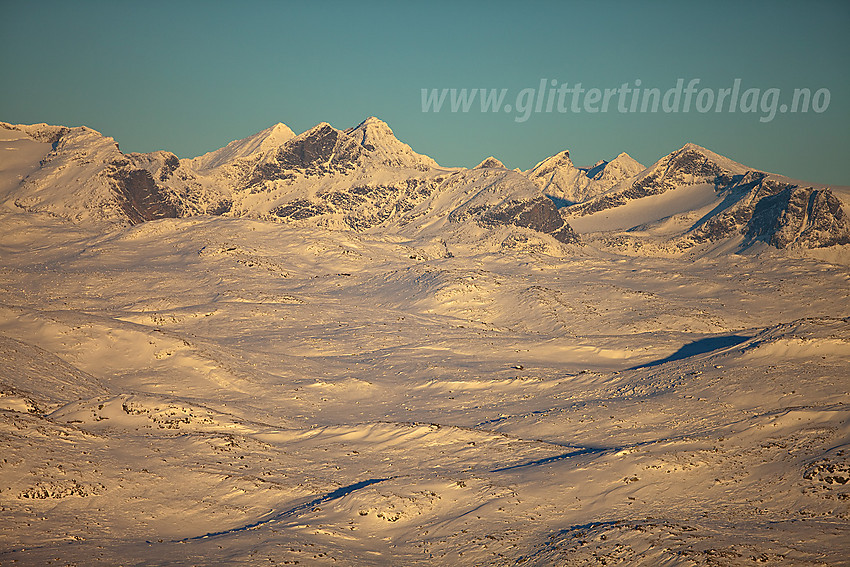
566	183
279	134
271	138
490	163
378	138
559	160
557	177
618	169
689	165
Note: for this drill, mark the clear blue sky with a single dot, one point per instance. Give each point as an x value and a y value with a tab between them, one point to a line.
190	76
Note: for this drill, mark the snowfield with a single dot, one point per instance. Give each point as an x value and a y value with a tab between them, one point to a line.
435	390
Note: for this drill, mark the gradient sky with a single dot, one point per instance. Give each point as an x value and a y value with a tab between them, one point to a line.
191	76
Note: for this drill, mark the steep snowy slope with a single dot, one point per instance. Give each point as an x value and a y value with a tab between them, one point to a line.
269	139
84	177
20	155
694	197
689	166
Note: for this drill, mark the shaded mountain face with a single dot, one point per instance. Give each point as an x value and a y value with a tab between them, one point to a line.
321	150
800	216
539	214
779	213
139	197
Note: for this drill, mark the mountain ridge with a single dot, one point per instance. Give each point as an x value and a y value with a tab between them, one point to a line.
364	178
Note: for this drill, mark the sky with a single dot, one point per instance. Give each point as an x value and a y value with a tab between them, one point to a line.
189	77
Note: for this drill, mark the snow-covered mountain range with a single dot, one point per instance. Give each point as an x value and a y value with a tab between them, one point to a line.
694	196
364	178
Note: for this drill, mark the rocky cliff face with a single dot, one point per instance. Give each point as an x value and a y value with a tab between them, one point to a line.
801	217
780	213
138	195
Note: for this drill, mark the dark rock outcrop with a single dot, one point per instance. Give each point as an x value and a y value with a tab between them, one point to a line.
539	214
138	194
800	216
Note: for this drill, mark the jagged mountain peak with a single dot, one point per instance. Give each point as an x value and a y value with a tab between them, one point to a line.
373	132
373	123
559	178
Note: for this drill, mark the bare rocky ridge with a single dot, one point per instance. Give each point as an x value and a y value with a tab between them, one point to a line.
539	215
802	216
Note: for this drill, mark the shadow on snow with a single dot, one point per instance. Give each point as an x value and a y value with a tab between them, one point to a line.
701	346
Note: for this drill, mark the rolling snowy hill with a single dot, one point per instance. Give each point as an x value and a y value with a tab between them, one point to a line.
326	349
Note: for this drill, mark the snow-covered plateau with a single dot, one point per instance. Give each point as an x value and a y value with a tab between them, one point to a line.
327	349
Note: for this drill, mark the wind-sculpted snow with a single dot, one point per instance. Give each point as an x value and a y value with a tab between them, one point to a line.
691	165
208	390
326	349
